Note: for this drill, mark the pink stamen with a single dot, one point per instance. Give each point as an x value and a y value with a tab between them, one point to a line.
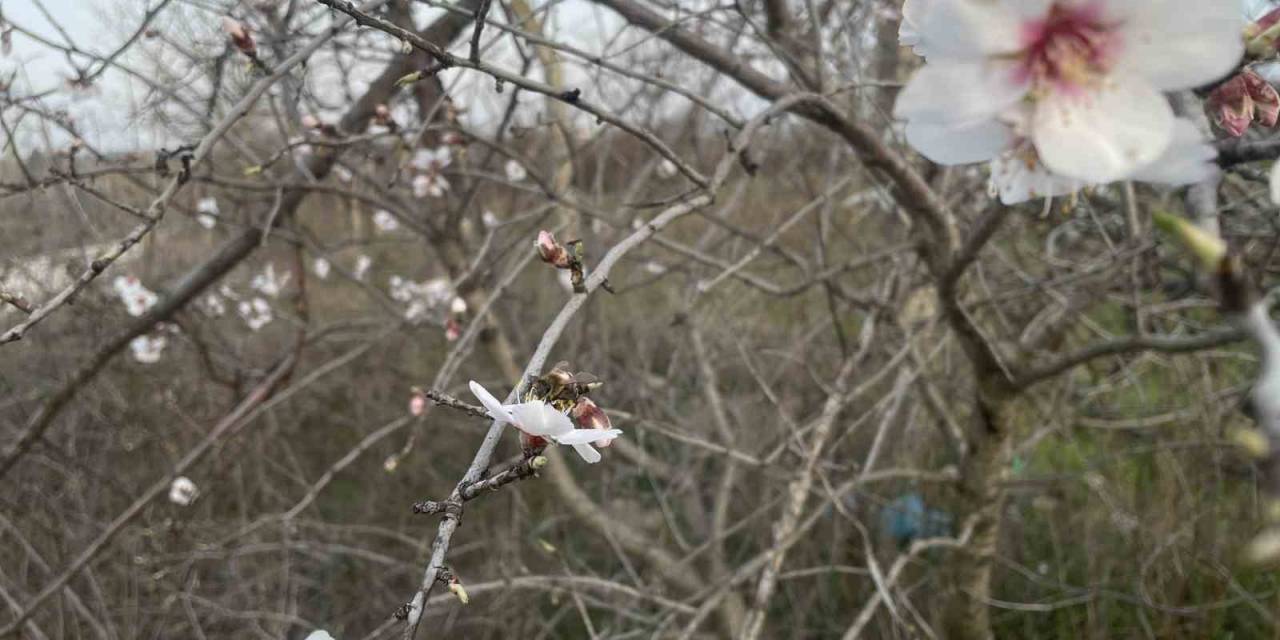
1066	48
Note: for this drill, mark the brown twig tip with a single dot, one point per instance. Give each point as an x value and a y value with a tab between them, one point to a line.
17	301
446	400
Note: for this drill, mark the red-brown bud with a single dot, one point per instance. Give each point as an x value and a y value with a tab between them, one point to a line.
240	36
1266	102
588	415
1230	106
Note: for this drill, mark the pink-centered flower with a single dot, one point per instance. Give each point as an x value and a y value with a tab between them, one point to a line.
541	420
1080	81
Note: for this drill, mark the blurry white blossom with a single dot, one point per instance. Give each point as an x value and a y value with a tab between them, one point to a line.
429	184
137	298
655	268
207	212
489	219
458	306
516	171
147	348
182	491
422	297
385	221
342	173
214	306
437	291
321	268
256	313
667	169
267	282
363	263
432	160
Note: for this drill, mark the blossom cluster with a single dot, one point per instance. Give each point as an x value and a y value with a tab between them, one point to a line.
1061	94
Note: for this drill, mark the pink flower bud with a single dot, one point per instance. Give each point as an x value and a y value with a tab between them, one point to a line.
1231	107
417	403
382	114
452	330
552	252
1269	20
310	122
240	36
1266	102
588	415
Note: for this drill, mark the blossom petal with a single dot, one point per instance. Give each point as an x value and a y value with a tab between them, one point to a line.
1275	183
973	29
586	436
1105	134
1018	180
959	92
491	404
1180	44
913	12
1189	158
538	418
946	144
587	452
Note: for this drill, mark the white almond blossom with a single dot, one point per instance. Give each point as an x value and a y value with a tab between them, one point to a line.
458	306
540	419
268	283
1079	82
422	296
182	491
319	634
147	348
137	298
363	263
515	171
321	268
432	160
429	184
207	212
384	221
214	306
256	313
667	169
489	219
